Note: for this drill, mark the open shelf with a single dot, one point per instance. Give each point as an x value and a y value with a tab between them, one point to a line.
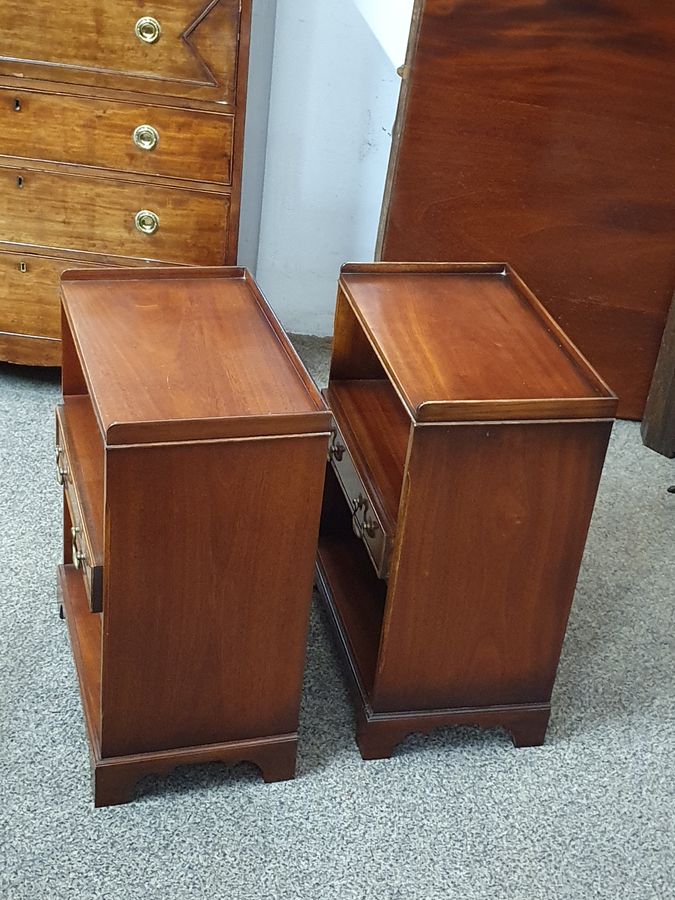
84	445
355	593
84	627
376	427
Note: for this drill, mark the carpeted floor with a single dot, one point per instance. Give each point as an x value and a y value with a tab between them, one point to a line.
461	814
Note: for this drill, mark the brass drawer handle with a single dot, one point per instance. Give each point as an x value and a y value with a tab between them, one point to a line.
146	137
148	30
79	556
336	449
61	472
369	526
147	222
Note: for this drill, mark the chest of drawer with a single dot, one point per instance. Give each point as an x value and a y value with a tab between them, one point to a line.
116	218
178	48
144	139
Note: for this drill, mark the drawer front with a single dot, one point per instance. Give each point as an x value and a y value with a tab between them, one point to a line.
148	140
29	293
365	521
100	215
170	47
82	555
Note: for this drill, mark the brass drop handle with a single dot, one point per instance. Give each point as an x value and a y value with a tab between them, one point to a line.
61	472
146	137
78	555
148	30
336	449
369	526
147	222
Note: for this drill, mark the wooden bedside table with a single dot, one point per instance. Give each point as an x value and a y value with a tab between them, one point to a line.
192	445
469	442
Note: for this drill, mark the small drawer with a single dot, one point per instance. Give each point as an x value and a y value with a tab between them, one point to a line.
130	137
84	555
365	521
29	293
113	217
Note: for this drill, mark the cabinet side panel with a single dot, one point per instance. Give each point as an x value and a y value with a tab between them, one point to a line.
210	551
493	529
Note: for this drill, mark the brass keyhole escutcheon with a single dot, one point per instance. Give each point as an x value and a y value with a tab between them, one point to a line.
20	181
146	137
147	222
17	105
148	30
23	267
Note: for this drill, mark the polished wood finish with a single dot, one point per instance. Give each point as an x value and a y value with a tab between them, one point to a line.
658	425
193	145
539	131
73	89
97	215
491	513
94	43
196	442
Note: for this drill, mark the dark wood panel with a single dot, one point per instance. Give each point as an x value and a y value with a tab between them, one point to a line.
541	132
495	527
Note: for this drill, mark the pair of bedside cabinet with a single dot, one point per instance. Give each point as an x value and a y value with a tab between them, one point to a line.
465	438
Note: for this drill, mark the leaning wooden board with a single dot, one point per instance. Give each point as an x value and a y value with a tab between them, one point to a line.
542	132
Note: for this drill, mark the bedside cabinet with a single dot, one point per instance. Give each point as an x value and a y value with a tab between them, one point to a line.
191	444
121	144
468	443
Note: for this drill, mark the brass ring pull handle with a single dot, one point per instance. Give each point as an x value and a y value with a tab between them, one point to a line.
61	473
146	137
147	222
148	30
78	555
368	527
336	449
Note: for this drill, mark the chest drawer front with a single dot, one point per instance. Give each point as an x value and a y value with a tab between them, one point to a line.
100	215
170	47
144	139
365	521
29	293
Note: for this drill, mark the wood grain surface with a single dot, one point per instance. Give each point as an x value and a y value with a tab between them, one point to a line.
97	215
94	43
192	145
541	132
163	332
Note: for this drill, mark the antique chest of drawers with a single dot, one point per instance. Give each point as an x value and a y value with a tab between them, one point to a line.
121	135
468	443
192	445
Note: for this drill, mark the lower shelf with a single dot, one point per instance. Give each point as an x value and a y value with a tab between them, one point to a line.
84	628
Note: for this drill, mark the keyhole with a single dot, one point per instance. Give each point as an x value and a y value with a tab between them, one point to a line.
23	267
17	105
19	181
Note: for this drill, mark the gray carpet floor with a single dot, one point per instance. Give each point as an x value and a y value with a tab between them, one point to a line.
460	814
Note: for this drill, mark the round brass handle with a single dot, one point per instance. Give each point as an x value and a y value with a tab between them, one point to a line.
147	222
148	30
61	474
78	555
146	137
